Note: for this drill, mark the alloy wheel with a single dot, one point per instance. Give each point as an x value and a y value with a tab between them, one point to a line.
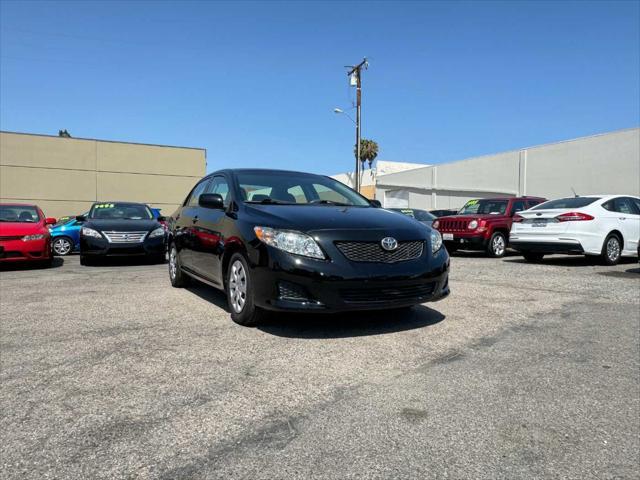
238	286
173	265
498	245
62	246
613	249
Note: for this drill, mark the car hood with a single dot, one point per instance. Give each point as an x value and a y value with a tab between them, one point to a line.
20	228
471	217
122	225
307	218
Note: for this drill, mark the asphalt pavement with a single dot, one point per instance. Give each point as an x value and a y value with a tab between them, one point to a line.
525	371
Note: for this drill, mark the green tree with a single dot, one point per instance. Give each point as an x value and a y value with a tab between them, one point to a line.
368	151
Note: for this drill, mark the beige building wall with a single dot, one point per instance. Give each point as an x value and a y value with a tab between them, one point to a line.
64	176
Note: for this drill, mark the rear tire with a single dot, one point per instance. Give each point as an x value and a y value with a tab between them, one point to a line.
497	245
178	278
611	250
533	257
239	289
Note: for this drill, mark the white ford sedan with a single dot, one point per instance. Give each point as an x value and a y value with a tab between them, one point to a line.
604	225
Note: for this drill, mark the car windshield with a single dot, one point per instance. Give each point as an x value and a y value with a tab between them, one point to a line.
19	214
291	188
570	202
420	215
120	211
484	207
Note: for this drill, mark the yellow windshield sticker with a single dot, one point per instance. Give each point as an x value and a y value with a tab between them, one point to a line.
104	205
471	202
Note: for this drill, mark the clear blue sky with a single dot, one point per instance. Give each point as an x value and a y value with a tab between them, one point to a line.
256	83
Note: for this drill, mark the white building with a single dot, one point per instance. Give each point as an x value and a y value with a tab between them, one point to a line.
369	176
606	163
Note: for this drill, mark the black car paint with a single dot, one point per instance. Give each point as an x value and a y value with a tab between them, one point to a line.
206	238
91	246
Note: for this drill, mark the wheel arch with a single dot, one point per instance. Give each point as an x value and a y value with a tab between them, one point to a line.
229	249
616	232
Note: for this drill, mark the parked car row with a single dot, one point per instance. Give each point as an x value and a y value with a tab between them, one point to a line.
290	241
107	229
607	226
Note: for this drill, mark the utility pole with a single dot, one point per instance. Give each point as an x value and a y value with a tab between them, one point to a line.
355	74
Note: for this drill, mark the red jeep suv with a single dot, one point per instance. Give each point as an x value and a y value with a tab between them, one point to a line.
483	224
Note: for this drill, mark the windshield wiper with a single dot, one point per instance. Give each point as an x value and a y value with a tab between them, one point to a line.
330	202
269	201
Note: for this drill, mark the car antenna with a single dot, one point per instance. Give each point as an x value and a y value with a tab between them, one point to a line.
574	193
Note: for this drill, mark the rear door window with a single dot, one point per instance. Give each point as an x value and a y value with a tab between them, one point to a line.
518	206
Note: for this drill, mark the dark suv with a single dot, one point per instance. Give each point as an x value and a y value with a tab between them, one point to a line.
290	241
483	224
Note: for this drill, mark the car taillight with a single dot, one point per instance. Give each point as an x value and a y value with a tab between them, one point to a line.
518	218
574	217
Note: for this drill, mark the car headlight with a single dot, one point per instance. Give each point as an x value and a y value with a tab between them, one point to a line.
158	232
473	224
435	224
436	241
28	238
90	232
289	241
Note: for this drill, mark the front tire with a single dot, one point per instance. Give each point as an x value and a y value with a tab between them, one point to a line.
239	291
611	250
62	246
178	278
497	245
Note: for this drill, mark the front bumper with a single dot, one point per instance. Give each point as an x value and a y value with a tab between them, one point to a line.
101	247
19	251
465	241
290	283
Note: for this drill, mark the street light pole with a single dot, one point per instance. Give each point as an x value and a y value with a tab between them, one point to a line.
356	73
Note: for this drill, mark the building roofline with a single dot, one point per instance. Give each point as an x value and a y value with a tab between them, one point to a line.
101	140
516	150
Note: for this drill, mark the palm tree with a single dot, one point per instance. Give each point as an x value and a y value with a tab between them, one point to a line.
368	151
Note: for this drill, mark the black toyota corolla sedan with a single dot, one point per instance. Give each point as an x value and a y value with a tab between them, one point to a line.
290	241
121	229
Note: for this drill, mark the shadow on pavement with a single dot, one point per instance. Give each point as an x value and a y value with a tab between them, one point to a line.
34	265
352	324
571	261
209	294
123	261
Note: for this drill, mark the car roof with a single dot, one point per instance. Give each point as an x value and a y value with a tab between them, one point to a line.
261	171
18	205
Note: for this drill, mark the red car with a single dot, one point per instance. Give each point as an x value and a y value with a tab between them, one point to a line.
483	224
24	234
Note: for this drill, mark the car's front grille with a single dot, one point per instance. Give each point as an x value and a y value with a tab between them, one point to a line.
373	251
451	225
125	237
10	237
386	295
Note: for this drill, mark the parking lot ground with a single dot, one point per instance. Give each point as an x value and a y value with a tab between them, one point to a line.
525	371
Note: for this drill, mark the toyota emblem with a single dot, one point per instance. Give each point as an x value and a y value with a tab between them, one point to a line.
389	244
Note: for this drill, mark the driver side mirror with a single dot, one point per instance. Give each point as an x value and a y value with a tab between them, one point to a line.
49	221
375	203
81	218
211	200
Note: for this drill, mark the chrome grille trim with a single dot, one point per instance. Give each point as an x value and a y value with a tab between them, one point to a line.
373	251
124	237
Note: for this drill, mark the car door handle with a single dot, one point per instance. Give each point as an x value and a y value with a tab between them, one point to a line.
622	218
195	219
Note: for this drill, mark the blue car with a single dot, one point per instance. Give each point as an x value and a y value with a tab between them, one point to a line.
65	236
